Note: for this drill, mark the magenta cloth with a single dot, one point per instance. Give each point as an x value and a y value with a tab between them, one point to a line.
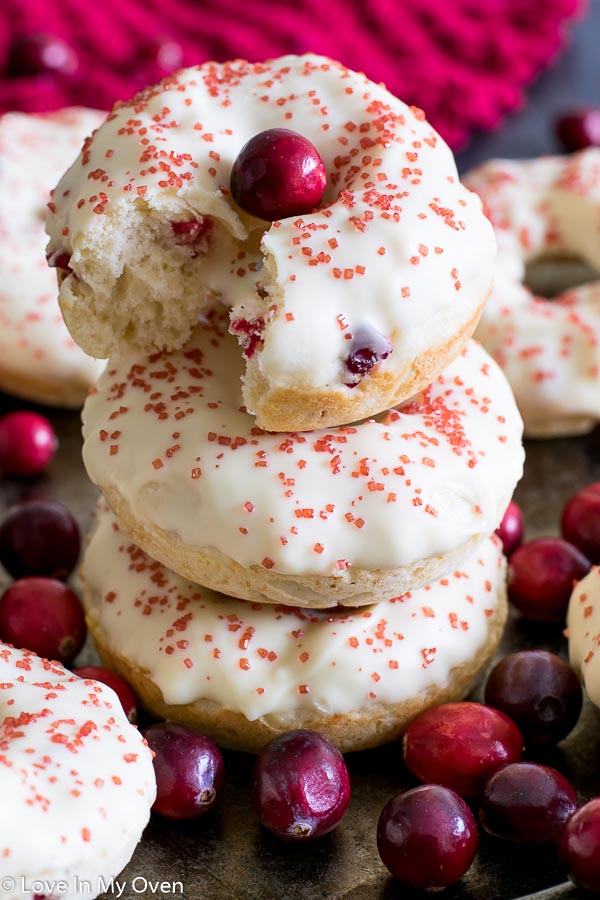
465	62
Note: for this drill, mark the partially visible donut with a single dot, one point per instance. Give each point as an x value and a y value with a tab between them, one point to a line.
76	781
343	311
344	515
549	349
583	629
244	672
39	360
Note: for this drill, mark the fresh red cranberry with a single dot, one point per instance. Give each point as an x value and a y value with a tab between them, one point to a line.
510	530
300	786
277	174
579	128
249	333
38	53
368	347
460	744
580	846
527	803
541	574
43	615
27	443
580	521
190	231
114	681
39	538
189	771
427	837
539	691
162	52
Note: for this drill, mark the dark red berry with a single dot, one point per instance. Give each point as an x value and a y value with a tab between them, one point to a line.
460	744
43	615
190	231
580	846
510	530
27	443
114	681
539	691
39	538
38	53
368	347
300	786
580	522
579	129
527	803
277	174
189	771
427	837
541	575
249	333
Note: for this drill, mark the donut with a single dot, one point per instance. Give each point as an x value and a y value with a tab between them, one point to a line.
583	630
392	269
548	349
76	779
338	516
39	360
243	672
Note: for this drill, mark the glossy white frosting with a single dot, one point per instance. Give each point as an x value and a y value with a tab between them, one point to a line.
76	781
261	659
34	341
549	349
583	628
170	435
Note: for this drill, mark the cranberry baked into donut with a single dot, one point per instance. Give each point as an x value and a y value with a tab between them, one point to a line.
342	310
341	515
244	672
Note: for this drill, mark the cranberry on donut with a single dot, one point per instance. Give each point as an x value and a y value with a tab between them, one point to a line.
342	310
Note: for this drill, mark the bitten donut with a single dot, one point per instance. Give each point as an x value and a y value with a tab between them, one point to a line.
243	672
76	781
549	349
343	311
583	628
39	360
343	515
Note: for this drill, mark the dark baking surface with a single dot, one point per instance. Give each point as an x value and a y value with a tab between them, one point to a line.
228	854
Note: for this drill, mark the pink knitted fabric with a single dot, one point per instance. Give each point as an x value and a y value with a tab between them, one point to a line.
466	62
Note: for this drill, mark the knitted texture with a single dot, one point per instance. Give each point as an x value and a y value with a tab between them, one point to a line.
466	62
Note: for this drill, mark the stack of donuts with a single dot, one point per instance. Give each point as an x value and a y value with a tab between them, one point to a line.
302	455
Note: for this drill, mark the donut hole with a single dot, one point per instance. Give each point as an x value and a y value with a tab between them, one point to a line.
551	276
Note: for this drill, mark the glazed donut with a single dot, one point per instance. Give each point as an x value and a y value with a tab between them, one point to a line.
549	349
583	629
243	672
76	780
394	266
39	360
338	516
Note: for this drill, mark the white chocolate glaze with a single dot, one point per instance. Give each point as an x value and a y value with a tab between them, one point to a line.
259	659
549	349
399	247
38	358
169	434
583	629
76	780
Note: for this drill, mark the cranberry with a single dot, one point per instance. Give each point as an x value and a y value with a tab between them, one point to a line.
189	771
300	785
528	803
460	744
427	837
191	230
368	347
510	530
579	129
114	681
277	174
39	538
59	259
580	846
27	443
38	53
580	522
541	575
539	691
43	615
249	334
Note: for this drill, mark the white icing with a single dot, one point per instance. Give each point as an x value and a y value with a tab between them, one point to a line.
583	629
169	434
265	659
76	780
34	341
549	349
